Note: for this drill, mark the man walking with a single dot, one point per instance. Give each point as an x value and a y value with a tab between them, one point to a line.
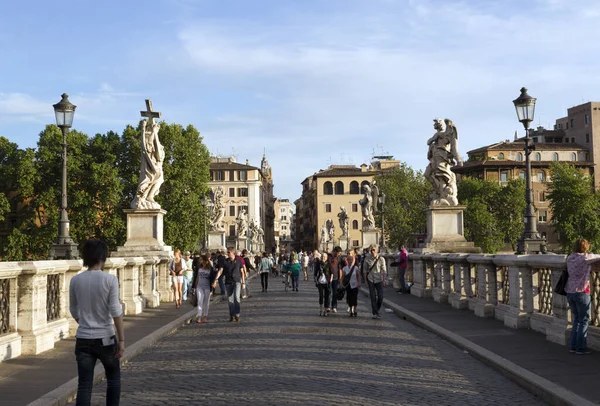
402	264
374	271
231	269
94	304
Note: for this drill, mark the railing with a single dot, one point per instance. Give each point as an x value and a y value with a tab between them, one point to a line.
34	298
518	290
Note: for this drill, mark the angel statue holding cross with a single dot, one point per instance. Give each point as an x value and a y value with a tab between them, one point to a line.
151	163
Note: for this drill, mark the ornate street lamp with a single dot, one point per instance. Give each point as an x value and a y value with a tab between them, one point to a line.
530	241
382	202
206	203
65	247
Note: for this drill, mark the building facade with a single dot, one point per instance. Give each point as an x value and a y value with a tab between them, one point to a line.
504	161
325	192
245	187
284	225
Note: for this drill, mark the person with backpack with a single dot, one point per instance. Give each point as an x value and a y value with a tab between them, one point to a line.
375	272
351	282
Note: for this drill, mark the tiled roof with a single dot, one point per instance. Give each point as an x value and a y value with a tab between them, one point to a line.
230	165
519	146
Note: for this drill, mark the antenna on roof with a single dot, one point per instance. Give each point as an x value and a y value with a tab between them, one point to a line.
516	136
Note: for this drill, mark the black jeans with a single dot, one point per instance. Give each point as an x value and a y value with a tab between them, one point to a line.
264	280
376	294
334	286
87	352
324	292
352	296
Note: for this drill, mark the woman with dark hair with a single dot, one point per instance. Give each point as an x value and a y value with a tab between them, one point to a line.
202	283
578	294
321	276
94	304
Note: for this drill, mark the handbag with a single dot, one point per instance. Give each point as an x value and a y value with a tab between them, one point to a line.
562	283
193	298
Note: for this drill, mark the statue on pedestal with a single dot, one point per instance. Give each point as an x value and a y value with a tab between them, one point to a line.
260	235
151	163
242	223
218	214
366	204
253	233
442	155
343	219
324	235
330	230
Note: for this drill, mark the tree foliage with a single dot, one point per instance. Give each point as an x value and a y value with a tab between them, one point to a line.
407	196
494	213
102	179
574	204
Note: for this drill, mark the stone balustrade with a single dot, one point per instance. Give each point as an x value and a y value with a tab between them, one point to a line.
517	290
34	298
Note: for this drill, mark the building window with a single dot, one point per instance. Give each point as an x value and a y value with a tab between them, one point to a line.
501	156
503	176
231	192
572	123
327	207
520	157
587	138
573	156
566	140
354	189
283	218
231	176
542	196
243	175
243	192
232	230
538	156
354	207
232	211
355	224
339	188
541	176
573	140
219	175
542	216
328	188
522	175
355	243
587	119
555	156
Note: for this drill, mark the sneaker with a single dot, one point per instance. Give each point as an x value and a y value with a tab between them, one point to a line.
572	351
584	352
231	318
327	310
236	319
375	316
321	313
348	309
334	310
355	314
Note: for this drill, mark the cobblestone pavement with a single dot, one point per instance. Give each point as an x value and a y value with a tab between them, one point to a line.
283	353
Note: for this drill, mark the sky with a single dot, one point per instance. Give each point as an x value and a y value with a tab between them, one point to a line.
311	82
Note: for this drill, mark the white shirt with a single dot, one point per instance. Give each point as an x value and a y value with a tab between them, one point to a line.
354	278
94	301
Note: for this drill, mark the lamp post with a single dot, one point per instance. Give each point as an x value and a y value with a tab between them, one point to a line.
64	247
206	203
530	241
382	202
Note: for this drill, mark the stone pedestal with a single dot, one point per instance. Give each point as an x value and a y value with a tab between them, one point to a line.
369	237
242	243
445	231
344	243
216	240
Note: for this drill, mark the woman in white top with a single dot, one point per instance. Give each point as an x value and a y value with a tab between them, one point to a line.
202	284
352	285
176	268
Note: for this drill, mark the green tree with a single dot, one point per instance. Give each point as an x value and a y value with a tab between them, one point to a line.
480	219
574	204
186	172
407	196
509	207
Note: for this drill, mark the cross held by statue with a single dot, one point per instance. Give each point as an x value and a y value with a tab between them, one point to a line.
149	113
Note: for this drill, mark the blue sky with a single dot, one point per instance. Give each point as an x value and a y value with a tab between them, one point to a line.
314	82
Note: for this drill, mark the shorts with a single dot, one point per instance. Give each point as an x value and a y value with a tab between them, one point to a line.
177	279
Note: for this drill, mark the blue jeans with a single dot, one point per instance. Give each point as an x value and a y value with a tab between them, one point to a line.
580	304
402	279
295	279
187	286
222	284
376	294
87	352
334	286
234	290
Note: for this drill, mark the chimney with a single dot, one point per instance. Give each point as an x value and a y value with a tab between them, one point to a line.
247	162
